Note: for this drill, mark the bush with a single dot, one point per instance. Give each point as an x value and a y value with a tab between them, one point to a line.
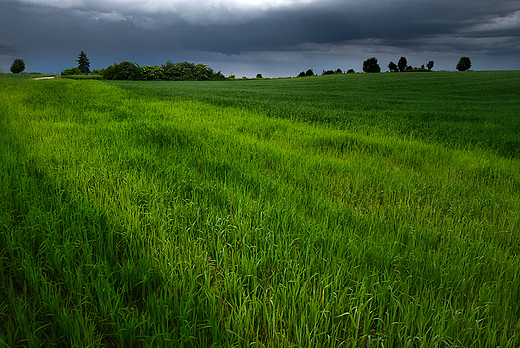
184	71
370	66
411	69
351	71
122	71
97	72
71	71
328	72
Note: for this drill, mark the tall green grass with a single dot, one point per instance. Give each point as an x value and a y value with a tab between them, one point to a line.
469	110
177	214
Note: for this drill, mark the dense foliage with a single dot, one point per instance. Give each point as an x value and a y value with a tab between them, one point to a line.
122	71
393	67
182	71
371	66
464	64
402	64
309	72
18	66
71	71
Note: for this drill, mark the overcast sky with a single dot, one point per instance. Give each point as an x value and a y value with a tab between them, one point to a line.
272	37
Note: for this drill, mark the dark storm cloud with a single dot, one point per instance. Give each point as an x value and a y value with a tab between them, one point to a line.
156	28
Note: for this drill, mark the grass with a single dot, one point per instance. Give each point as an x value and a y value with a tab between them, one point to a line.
475	109
210	214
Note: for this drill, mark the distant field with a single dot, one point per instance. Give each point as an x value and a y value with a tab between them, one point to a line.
458	110
356	210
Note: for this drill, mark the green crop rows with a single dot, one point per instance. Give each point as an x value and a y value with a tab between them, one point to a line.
355	210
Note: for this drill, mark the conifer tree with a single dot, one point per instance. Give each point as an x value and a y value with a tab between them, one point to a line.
83	63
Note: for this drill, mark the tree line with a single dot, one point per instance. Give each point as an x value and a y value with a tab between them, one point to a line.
185	71
182	71
371	65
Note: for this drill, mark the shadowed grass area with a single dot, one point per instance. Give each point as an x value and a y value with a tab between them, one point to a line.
137	220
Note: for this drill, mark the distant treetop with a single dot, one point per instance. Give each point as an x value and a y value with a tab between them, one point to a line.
464	64
18	66
370	66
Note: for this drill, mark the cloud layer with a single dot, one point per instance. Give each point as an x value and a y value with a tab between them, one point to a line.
235	30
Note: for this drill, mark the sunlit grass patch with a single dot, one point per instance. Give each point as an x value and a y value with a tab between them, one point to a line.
133	219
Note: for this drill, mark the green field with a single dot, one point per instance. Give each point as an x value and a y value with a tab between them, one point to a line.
370	210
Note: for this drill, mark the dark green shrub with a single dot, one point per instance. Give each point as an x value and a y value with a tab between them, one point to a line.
122	71
71	71
185	71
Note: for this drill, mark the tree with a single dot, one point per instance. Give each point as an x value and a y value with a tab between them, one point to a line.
429	65
370	66
351	71
83	63
259	76
402	64
18	66
309	72
393	67
464	64
338	71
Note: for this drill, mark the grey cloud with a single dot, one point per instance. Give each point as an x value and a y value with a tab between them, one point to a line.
153	30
